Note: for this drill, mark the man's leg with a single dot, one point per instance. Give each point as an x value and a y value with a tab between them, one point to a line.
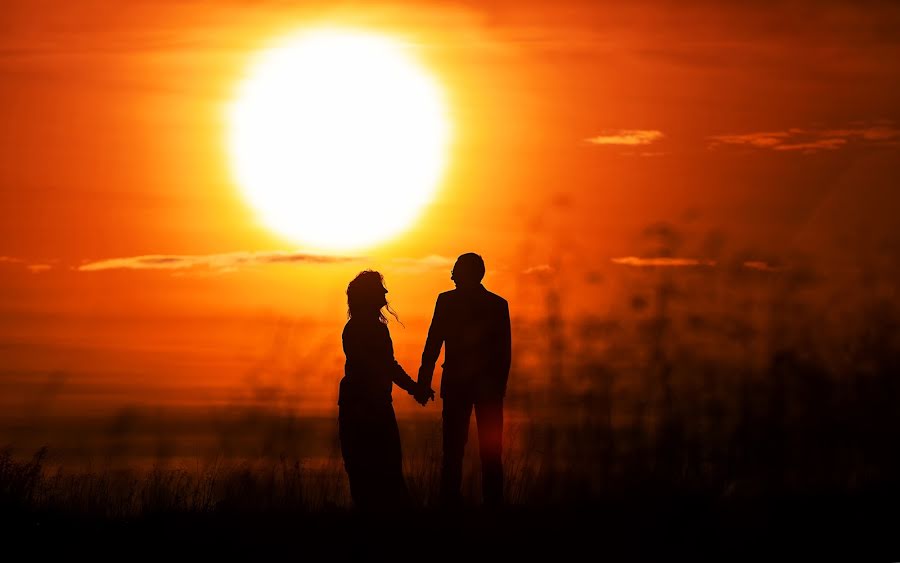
489	417
455	426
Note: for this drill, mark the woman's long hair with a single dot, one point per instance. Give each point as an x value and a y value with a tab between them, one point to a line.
365	294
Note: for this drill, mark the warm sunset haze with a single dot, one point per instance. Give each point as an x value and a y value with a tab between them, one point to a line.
187	189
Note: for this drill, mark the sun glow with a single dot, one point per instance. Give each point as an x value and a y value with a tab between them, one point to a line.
338	138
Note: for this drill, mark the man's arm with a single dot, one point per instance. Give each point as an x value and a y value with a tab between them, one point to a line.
432	345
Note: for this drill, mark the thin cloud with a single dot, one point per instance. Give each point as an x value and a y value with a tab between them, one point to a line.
220	262
875	133
38	268
813	146
627	137
643	154
430	262
809	141
668	262
33	267
661	262
435	260
761	266
761	139
538	270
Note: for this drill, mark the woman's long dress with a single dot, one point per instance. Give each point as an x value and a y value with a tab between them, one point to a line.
370	439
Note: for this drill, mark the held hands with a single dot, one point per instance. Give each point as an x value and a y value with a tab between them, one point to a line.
422	393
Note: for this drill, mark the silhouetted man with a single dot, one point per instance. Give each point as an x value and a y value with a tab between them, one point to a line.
473	324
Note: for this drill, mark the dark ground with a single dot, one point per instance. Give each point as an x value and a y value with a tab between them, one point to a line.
862	528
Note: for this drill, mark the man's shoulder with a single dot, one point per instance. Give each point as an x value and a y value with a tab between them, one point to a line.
496	298
484	295
449	295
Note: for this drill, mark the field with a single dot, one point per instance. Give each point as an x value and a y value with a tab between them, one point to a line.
715	411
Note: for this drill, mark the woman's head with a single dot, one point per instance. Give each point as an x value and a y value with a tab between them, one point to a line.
366	297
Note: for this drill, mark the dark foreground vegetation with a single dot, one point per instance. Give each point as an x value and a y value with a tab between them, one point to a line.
282	510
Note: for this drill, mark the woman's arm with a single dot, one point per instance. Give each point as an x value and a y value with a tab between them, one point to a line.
398	374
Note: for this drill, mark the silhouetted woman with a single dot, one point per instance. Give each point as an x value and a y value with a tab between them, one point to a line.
370	440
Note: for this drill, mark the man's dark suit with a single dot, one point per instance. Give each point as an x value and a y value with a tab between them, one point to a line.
473	325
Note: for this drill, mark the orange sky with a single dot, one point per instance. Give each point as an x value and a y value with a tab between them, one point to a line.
773	124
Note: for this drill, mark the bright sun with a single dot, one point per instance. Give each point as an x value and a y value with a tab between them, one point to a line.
338	138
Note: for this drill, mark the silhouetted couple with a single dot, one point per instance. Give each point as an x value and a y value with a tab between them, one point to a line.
473	325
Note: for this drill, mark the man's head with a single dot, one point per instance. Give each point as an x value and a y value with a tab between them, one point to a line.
468	270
